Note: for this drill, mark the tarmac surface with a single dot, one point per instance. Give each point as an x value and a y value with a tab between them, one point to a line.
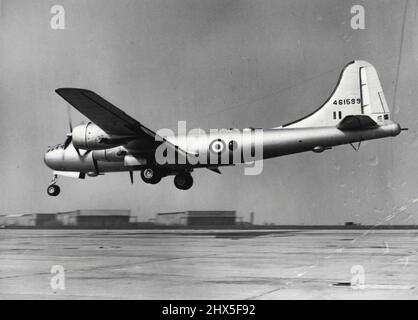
235	264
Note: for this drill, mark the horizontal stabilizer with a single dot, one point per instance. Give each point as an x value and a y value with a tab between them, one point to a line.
356	122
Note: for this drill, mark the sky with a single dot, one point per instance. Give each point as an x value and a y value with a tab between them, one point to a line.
214	64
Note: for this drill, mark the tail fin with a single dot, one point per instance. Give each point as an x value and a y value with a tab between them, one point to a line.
358	92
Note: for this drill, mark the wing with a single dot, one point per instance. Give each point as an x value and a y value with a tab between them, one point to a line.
109	118
356	122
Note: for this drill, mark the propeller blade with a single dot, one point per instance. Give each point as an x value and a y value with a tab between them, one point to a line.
70	121
131	175
70	125
96	166
68	141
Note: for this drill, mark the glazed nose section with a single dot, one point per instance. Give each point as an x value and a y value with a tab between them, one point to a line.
52	158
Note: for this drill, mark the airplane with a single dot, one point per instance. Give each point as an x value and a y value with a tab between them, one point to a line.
112	141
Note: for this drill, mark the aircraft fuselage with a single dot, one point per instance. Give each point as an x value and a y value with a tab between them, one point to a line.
274	143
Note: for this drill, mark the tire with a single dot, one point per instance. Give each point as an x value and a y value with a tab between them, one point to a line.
150	175
53	190
183	181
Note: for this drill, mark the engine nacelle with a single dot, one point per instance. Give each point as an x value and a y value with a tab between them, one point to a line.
90	137
113	154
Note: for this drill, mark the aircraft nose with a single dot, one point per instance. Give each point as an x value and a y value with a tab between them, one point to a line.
48	158
52	158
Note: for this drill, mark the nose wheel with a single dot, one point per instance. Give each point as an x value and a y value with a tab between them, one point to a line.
53	190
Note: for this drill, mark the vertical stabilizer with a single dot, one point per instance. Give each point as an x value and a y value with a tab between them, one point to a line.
358	92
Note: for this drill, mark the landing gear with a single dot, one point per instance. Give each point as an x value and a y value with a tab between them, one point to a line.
150	175
53	190
183	181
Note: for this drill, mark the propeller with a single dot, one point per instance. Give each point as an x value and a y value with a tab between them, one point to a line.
70	120
69	138
96	166
131	175
70	125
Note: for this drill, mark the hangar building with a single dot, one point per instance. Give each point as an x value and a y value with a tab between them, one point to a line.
95	218
29	220
197	218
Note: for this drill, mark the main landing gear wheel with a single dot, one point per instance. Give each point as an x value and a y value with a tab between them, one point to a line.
183	181
150	175
53	190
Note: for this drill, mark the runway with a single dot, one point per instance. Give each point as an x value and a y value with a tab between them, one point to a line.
235	264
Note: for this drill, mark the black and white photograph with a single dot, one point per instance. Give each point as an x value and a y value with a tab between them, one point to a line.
201	150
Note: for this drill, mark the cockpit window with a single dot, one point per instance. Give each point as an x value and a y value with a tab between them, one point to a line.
55	147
